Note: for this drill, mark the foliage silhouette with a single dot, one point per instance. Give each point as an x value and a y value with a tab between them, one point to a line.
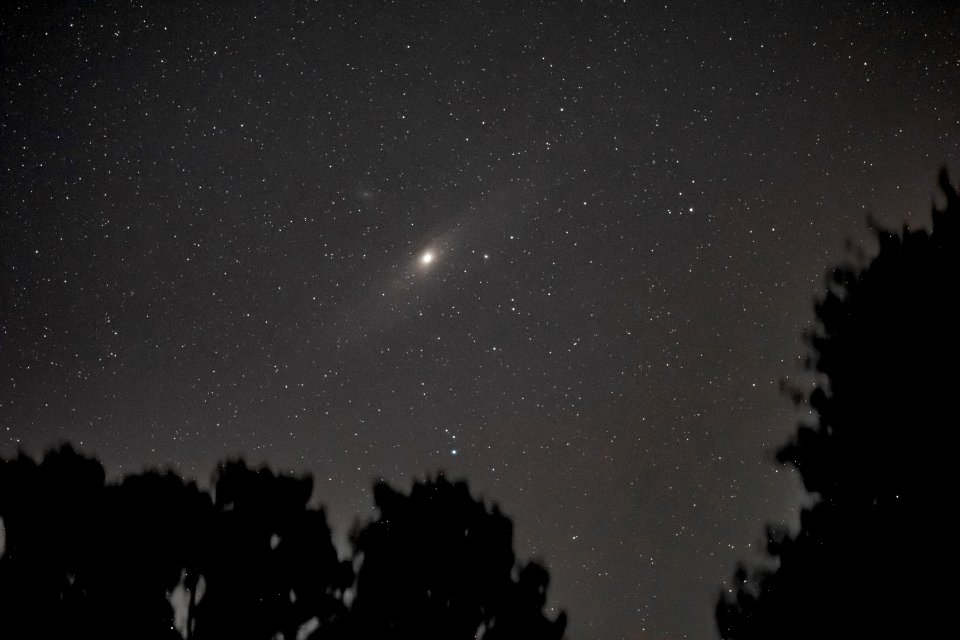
438	565
84	558
864	562
51	548
268	561
142	554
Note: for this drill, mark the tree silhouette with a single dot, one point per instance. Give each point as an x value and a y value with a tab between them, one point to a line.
87	559
437	564
268	562
147	531
867	556
51	546
80	557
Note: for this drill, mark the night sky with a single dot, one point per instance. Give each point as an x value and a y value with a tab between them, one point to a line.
564	251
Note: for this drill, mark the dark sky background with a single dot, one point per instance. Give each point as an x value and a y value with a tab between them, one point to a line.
214	223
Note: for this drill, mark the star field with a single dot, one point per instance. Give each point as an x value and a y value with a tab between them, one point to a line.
564	251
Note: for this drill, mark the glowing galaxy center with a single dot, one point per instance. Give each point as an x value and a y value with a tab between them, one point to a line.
426	258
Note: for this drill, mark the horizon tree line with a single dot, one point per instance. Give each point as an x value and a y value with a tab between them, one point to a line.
251	558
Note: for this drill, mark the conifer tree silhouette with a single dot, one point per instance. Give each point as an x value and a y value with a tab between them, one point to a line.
866	559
